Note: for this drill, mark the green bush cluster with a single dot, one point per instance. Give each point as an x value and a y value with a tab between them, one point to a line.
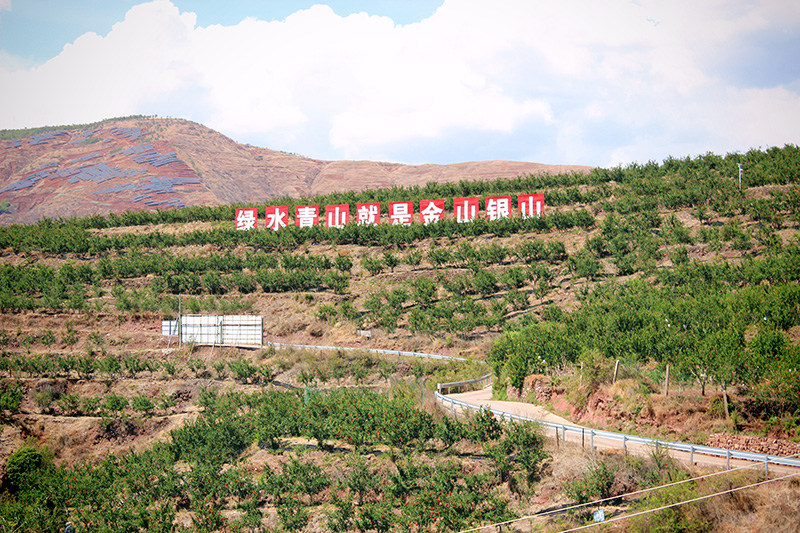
145	491
695	320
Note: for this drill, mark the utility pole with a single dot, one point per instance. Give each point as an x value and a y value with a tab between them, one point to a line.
740	176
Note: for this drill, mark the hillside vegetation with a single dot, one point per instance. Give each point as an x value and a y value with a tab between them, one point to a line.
142	163
653	265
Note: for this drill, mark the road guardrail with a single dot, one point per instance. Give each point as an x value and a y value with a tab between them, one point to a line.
625	439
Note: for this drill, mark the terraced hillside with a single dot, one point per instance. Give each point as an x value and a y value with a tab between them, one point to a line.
650	265
143	163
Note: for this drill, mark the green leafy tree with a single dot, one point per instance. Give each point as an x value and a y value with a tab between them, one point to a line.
23	465
343	263
424	291
143	404
114	403
390	260
373	266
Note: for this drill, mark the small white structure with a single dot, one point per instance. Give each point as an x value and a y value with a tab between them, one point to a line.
216	330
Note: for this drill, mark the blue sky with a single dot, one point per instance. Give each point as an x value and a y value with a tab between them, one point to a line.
419	81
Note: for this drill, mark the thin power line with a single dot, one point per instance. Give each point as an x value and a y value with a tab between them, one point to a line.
626	495
693	500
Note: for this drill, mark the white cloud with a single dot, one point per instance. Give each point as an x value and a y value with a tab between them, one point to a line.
602	82
99	77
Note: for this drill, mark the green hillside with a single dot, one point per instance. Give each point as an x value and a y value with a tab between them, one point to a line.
657	266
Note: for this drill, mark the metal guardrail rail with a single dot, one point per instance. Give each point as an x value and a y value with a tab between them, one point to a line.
371	350
691	449
481	381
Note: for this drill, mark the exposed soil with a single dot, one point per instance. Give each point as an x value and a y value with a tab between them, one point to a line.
228	172
683	416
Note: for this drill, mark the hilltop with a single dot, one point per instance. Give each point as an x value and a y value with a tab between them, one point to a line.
155	163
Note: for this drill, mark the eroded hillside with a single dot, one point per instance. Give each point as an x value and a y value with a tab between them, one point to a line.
151	164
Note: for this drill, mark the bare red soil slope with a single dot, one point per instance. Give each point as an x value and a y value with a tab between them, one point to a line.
153	163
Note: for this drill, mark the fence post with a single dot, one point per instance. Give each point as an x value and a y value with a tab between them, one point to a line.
591	440
728	459
691	454
766	466
625	444
616	369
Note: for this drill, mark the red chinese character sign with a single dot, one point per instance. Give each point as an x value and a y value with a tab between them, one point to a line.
277	216
306	216
337	215
498	207
247	218
431	211
401	213
369	213
466	209
530	205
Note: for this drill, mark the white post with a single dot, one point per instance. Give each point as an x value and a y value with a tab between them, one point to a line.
180	324
740	176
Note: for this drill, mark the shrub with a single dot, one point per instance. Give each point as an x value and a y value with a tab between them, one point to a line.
243	370
142	403
44	399
23	464
114	403
292	514
484	427
69	403
373	266
343	263
594	485
10	397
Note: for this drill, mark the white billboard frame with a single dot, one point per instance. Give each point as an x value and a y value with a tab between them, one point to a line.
217	330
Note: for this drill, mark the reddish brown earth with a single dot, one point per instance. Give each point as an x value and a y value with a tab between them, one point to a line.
35	172
682	416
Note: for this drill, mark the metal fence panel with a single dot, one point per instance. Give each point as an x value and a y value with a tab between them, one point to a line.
219	330
201	329
169	327
241	330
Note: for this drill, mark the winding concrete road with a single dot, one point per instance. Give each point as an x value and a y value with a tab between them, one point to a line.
483	398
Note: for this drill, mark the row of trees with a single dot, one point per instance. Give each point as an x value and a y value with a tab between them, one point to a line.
418	488
696	320
60	237
676	182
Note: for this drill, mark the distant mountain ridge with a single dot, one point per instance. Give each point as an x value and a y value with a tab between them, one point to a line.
155	163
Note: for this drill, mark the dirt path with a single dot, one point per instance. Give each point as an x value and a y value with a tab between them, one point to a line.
600	444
